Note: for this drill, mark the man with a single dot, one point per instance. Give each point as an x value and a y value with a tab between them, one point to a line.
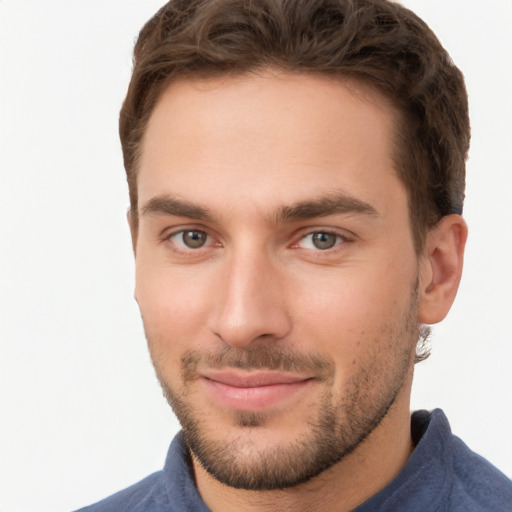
296	174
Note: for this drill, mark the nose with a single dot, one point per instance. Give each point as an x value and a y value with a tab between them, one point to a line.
251	305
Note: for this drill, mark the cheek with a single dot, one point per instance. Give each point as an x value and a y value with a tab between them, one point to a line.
173	309
348	312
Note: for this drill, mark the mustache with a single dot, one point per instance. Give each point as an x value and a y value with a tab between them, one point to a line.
263	357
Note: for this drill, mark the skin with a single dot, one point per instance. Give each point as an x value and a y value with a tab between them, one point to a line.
231	160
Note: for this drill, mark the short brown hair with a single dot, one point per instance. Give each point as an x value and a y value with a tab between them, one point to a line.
379	42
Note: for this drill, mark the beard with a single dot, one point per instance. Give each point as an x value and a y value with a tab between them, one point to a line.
339	422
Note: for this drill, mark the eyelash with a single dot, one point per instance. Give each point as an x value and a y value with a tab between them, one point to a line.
339	240
180	247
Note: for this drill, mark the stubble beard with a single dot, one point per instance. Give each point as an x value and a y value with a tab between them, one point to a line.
334	430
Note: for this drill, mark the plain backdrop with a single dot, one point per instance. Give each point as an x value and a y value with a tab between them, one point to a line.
81	413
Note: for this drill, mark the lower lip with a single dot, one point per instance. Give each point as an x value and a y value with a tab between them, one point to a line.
258	398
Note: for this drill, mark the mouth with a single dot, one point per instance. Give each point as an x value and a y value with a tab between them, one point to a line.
253	391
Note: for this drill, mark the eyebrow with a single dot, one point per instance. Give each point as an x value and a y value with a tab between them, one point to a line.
324	206
333	204
165	205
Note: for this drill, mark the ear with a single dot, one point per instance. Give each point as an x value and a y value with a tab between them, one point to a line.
441	268
132	222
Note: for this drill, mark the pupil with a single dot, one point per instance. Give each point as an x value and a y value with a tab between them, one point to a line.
324	240
194	239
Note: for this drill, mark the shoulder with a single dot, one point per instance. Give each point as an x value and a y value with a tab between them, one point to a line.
477	485
444	475
172	489
146	495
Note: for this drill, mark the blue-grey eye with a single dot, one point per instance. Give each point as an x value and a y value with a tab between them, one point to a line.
320	241
323	240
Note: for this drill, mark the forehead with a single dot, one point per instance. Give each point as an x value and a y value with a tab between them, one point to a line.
272	138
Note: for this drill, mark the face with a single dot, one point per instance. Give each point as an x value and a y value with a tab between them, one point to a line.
276	272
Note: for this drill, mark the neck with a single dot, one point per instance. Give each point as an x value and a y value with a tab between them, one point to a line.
341	488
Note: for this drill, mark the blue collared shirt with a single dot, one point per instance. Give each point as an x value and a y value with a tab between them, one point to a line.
442	475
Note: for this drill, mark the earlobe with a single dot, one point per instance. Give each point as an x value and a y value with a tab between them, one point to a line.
441	268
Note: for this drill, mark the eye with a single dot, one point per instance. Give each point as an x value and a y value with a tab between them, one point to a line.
320	240
189	239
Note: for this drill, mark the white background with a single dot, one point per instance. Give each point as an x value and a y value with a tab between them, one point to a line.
81	414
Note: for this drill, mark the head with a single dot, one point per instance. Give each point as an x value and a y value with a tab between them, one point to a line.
377	42
296	171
